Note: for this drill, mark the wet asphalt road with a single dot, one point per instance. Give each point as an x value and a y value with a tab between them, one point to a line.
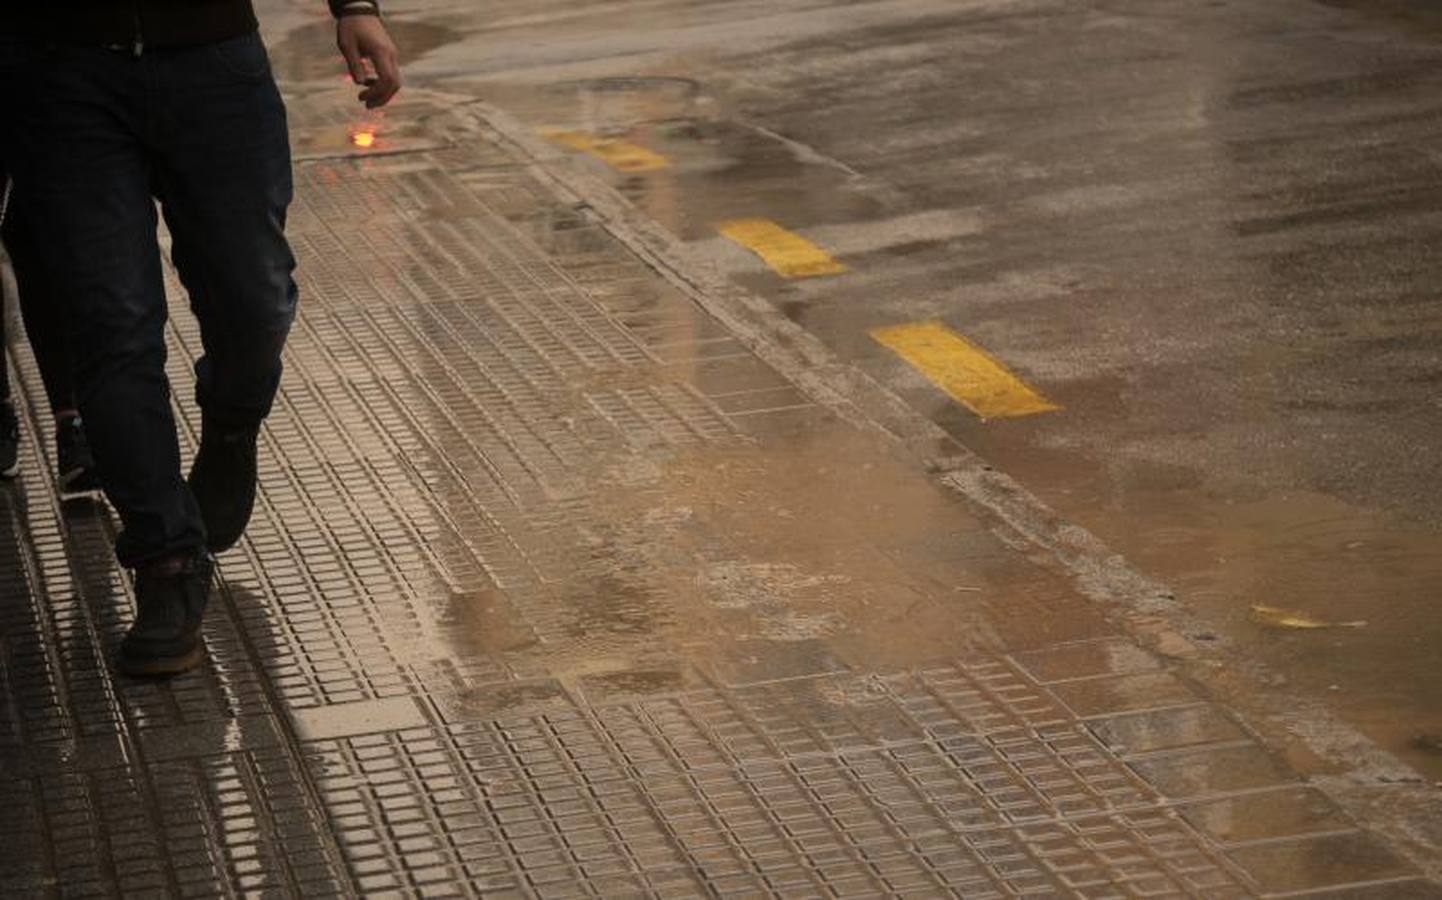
1208	231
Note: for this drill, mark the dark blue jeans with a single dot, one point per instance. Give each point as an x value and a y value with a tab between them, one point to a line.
96	137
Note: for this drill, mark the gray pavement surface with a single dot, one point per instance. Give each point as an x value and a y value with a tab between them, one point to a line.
1206	229
577	573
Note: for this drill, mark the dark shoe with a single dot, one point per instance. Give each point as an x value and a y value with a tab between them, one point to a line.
73	459
9	439
170	601
223	482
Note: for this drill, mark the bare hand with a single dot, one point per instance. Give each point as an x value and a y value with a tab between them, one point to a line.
371	56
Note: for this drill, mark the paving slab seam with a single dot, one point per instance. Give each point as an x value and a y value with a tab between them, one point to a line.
1098	572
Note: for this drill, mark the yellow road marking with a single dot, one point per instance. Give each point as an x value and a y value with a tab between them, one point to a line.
963	370
789	254
623	155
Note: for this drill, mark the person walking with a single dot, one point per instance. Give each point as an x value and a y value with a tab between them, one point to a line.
111	107
45	326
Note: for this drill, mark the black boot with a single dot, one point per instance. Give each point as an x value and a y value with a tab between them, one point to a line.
73	459
170	599
223	482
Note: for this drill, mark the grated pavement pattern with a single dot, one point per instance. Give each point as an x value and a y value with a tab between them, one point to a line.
443	662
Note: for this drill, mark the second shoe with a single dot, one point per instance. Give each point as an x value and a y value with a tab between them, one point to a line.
222	479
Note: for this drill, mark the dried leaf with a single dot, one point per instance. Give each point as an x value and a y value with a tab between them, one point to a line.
1286	618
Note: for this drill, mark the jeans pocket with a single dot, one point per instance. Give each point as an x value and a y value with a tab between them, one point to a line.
243	57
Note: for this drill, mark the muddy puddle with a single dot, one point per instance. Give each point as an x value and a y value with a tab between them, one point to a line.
750	562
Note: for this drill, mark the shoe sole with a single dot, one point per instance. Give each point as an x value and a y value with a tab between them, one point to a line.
161	666
10	472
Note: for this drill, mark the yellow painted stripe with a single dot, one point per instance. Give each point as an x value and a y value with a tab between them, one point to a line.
964	370
789	254
623	155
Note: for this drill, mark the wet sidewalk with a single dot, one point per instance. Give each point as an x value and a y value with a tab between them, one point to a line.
557	588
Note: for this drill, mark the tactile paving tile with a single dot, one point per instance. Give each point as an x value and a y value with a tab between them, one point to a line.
474	364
